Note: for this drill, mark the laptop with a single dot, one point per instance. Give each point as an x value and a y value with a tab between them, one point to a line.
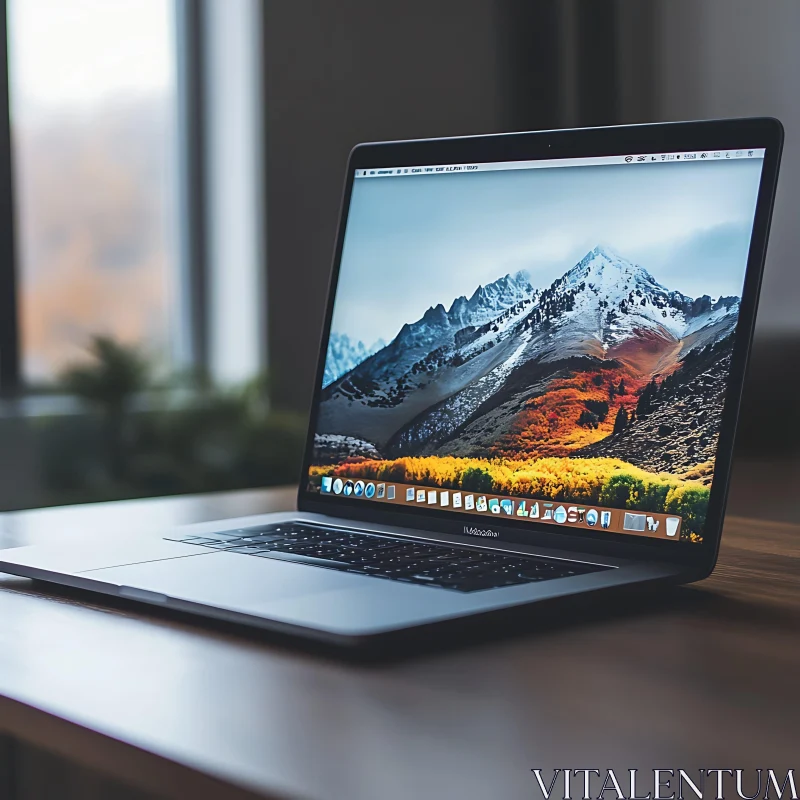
528	386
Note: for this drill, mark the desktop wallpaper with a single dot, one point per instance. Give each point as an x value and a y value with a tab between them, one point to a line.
558	333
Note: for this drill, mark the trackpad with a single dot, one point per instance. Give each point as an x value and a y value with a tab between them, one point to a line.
227	580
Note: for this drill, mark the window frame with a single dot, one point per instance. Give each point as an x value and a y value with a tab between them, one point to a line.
9	313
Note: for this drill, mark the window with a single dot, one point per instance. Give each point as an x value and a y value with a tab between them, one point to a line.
93	121
132	254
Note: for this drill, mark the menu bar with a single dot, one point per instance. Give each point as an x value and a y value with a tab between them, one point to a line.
628	158
569	514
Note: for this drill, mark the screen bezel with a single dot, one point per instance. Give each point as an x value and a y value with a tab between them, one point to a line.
751	133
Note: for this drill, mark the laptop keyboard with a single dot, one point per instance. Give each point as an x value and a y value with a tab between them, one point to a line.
443	566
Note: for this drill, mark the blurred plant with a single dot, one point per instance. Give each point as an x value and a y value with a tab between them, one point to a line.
185	435
115	374
215	438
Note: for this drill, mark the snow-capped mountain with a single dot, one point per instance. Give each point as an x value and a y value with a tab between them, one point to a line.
425	341
344	354
621	296
445	369
608	299
486	303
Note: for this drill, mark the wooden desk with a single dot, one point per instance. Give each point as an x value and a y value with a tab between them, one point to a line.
706	677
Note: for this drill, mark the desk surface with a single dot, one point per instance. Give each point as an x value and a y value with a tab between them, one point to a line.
706	677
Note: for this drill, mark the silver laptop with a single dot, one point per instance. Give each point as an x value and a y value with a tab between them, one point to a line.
528	385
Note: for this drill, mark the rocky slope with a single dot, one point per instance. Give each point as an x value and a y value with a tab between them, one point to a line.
681	429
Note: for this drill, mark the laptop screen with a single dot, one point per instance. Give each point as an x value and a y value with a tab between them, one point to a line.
548	341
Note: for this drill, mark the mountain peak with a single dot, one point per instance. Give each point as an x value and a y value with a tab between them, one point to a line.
620	297
606	251
603	267
603	252
486	303
522	276
435	315
344	354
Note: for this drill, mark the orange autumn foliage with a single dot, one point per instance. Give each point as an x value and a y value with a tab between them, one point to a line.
548	425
